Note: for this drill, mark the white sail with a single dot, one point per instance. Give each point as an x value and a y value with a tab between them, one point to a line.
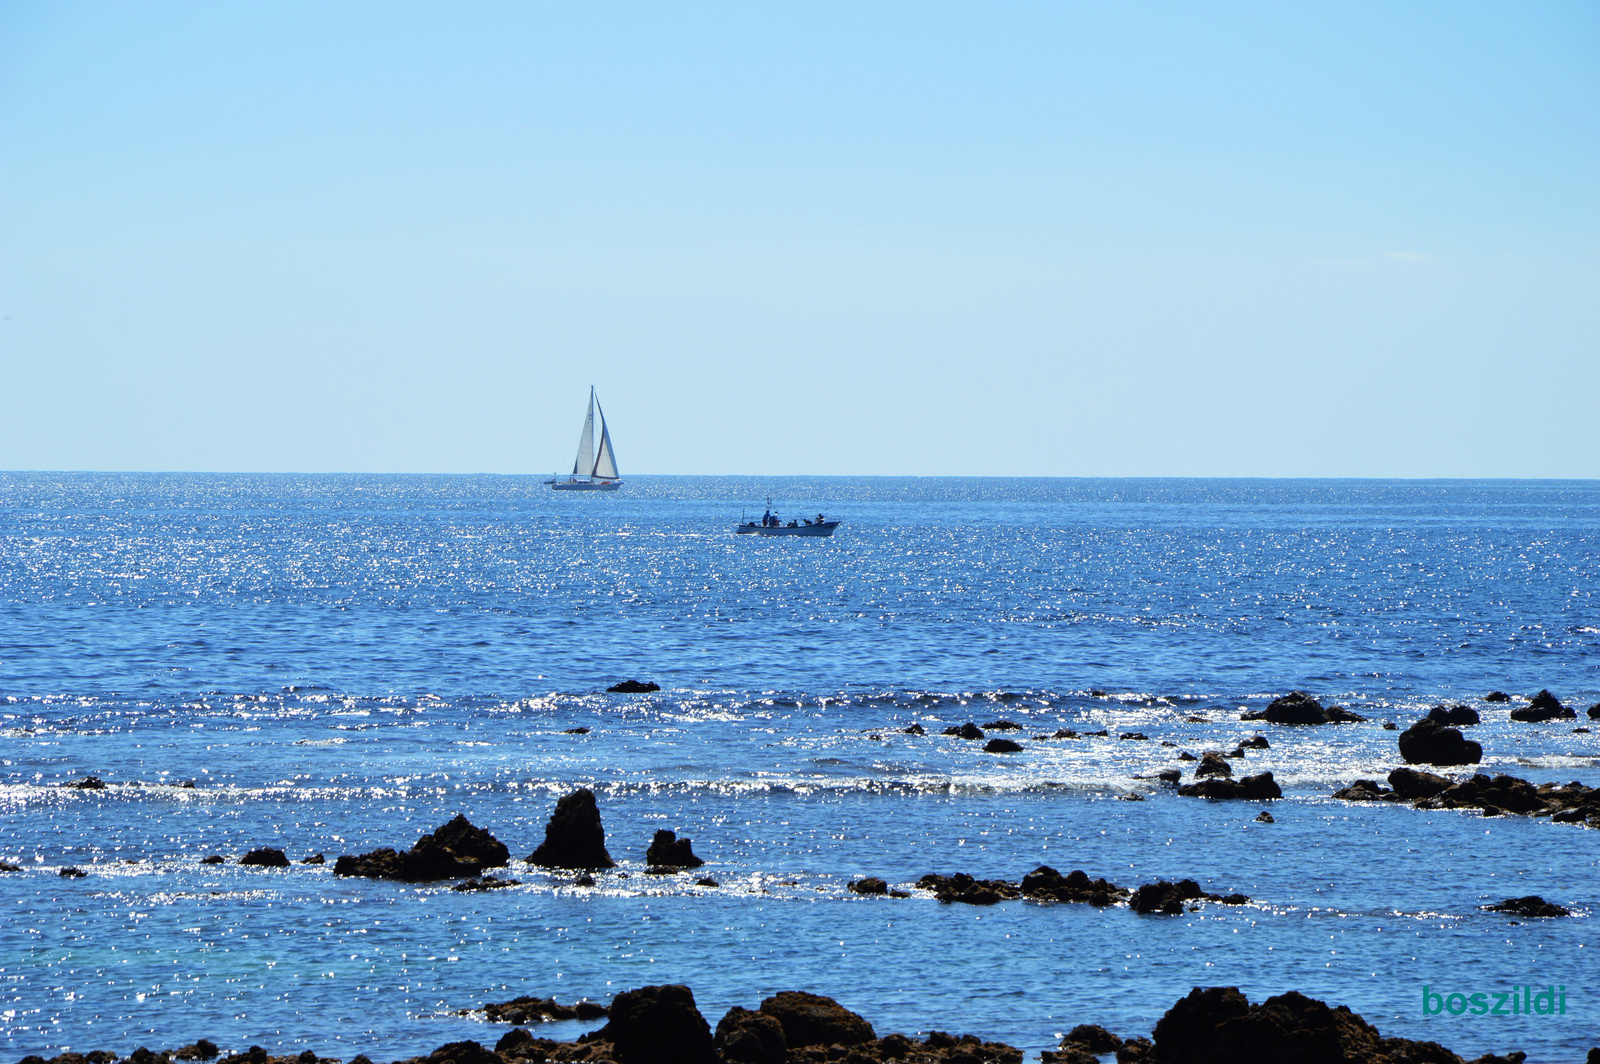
605	462
584	466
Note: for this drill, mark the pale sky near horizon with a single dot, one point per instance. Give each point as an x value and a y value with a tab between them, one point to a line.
1233	239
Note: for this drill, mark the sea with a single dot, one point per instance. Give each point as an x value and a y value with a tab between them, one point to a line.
338	663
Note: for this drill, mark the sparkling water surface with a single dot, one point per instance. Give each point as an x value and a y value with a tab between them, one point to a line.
344	662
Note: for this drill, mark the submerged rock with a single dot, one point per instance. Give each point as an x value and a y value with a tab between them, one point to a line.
968	730
266	857
915	729
1046	884
869	885
1544	706
1497	696
668	851
1532	906
1430	743
215	858
455	850
1249	788
574	836
1256	742
315	859
1002	725
1002	746
633	687
486	883
1169	898
72	873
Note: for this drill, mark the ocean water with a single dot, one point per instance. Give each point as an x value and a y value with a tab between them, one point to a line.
344	662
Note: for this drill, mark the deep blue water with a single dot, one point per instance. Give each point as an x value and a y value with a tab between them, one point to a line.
343	662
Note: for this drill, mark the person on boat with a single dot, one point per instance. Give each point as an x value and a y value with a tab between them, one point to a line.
821	520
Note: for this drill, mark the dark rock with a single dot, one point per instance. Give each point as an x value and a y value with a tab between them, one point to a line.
1168	898
72	873
1093	1037
1532	905
814	1020
1363	791
468	1052
707	882
1217	1024
1497	696
580	730
1101	734
1186	756
215	858
88	783
1428	742
1390	725
200	1049
1135	736
658	1025
1212	764
486	883
1454	715
266	857
968	730
964	888
1594	711
1002	746
915	729
574	837
751	1038
1133	1051
1169	775
633	687
1265	817
669	851
524	1010
7	866
315	858
1060	733
455	850
1256	742
869	885
1258	787
1046	884
1003	725
1544	706
1340	715
1237	751
1296	707
1410	783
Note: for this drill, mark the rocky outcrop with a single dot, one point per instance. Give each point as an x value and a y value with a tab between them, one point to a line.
1002	725
524	1010
1297	707
915	729
1060	733
1212	764
1252	788
1169	898
1365	791
964	888
266	857
72	873
1411	784
485	883
1532	905
1542	707
658	1025
869	885
1046	884
574	836
633	687
968	730
1002	746
455	850
1458	714
1427	742
814	1020
1497	696
668	851
747	1037
88	783
1255	742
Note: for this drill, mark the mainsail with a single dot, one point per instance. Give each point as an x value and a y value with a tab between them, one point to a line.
605	463
584	466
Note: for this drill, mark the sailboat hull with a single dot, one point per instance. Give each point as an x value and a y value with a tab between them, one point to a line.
824	529
584	485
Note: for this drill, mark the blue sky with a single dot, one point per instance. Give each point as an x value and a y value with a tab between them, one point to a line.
1061	240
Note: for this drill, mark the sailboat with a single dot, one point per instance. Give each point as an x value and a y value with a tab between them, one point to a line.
592	470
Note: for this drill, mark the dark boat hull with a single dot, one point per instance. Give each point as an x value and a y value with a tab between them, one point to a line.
824	528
